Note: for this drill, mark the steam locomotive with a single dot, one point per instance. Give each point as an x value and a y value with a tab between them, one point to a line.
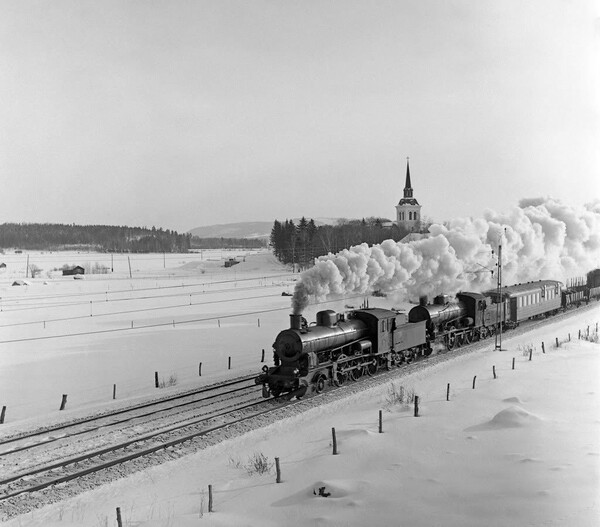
340	347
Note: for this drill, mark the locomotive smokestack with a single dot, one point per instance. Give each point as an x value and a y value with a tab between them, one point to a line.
423	300
295	321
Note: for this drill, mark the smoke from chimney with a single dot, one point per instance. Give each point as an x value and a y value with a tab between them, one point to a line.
541	238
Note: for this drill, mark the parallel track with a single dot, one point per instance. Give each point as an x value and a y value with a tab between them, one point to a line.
104	419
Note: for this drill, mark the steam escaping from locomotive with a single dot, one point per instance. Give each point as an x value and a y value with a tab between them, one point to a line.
541	238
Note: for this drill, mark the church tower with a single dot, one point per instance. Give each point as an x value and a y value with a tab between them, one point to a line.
408	210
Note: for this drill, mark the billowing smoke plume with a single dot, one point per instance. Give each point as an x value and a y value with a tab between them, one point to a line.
541	238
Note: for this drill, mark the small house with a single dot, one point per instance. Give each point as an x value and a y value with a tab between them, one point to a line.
231	262
73	271
20	282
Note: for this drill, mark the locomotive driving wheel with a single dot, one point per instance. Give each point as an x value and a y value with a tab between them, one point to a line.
356	373
372	367
450	341
339	379
320	384
468	336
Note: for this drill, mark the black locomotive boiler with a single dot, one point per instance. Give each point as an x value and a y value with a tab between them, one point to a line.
339	347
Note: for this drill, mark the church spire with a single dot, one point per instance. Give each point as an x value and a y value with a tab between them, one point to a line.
408	191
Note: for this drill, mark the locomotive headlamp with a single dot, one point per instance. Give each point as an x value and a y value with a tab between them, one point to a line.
265	368
296	371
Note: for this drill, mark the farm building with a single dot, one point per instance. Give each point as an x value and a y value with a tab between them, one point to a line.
74	270
231	262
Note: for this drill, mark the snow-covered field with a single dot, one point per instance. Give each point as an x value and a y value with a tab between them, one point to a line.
60	336
522	449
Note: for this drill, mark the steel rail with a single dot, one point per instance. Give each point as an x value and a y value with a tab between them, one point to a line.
109	415
129	457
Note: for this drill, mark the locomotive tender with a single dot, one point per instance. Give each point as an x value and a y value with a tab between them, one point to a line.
339	347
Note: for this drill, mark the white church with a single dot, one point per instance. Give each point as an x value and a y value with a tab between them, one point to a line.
408	210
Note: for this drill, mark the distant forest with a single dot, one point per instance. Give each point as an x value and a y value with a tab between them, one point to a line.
52	236
228	243
300	244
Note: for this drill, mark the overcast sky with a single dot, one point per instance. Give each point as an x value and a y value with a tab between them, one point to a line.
186	113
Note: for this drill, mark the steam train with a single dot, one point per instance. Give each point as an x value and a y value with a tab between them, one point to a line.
340	347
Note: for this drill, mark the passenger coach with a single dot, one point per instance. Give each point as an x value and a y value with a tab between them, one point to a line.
528	300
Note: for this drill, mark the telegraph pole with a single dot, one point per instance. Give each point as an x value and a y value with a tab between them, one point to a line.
499	313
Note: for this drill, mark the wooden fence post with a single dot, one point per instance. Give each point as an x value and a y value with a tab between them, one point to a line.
278	480
494	370
156	379
474	381
380	422
262	358
114	391
531	353
557	342
579	335
219	322
210	500
543	347
448	392
2	414
200	369
513	365
569	337
63	403
416	406
334	442
119	521
259	322
229	364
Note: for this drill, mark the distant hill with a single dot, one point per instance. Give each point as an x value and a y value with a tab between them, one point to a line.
247	229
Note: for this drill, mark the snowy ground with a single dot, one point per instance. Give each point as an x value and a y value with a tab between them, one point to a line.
523	449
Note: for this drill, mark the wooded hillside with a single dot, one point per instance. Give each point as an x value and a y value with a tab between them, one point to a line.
54	236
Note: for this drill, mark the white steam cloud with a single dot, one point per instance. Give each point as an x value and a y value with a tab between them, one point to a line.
541	239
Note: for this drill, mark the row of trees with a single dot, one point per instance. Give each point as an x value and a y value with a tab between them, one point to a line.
301	244
228	243
52	236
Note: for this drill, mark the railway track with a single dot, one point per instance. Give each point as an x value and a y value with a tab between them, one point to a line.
37	460
113	418
187	417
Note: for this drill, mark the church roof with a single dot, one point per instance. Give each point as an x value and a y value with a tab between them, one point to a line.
408	201
407	184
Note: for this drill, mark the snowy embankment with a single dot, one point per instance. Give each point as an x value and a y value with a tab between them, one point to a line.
522	449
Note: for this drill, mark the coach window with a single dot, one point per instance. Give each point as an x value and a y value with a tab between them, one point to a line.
382	326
